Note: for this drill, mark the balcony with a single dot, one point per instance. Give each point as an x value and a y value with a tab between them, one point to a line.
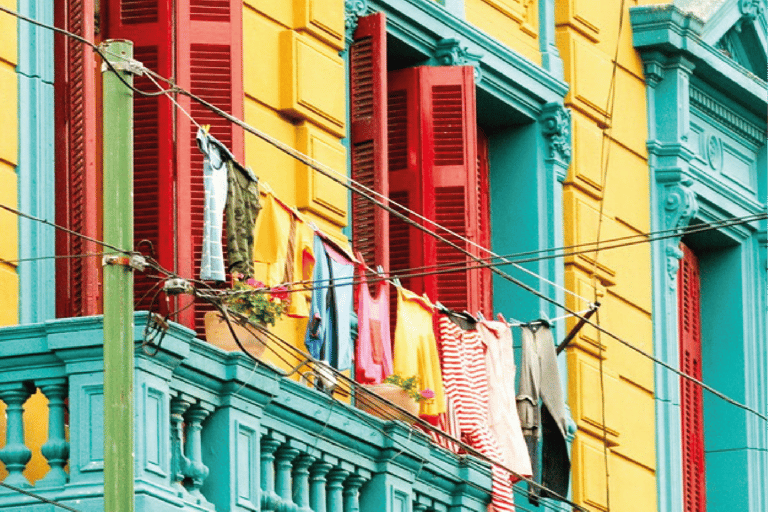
213	432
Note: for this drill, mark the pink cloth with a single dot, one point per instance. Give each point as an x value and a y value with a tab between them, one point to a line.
466	385
374	344
503	419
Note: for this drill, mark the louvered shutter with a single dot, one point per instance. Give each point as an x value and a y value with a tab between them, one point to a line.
209	63
149	24
368	132
484	221
77	205
205	58
406	178
692	428
433	170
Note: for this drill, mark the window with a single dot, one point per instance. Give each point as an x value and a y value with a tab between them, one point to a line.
199	45
425	155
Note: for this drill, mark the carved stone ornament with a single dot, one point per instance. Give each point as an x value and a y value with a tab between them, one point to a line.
449	52
680	206
556	127
353	9
750	9
714	152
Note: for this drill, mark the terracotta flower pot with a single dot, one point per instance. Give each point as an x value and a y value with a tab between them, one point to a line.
217	333
392	393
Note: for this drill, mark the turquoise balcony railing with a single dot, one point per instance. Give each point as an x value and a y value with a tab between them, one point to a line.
214	432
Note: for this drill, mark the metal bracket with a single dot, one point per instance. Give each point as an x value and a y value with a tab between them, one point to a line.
134	261
176	286
129	66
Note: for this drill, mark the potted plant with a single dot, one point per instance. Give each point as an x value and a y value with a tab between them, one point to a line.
253	302
401	391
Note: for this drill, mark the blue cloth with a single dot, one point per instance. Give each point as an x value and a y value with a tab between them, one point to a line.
329	336
215	157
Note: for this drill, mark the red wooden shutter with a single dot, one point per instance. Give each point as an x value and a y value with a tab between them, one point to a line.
77	206
149	24
406	177
484	221
433	167
368	131
209	63
206	58
692	429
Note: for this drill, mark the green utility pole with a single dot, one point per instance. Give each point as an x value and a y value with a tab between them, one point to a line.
118	280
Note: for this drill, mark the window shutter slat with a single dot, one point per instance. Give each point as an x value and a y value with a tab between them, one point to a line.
692	428
368	119
77	202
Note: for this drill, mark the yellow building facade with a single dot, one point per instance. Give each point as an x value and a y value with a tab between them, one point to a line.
606	196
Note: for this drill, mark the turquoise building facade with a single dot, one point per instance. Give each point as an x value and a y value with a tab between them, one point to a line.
705	67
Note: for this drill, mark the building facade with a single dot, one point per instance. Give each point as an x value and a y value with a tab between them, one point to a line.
521	125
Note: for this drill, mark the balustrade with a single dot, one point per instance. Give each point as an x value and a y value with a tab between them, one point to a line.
212	433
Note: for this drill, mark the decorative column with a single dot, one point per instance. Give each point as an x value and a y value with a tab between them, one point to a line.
317	496
195	471
284	464
301	481
179	463
336	479
56	449
15	454
352	493
269	498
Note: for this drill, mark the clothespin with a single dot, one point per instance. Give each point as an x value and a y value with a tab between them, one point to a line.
264	186
396	282
480	316
380	270
206	129
313	226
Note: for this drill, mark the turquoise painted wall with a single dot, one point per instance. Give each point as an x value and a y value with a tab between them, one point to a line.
36	163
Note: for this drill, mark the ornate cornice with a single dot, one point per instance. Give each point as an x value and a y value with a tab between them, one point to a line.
750	9
450	52
716	109
556	127
353	10
680	205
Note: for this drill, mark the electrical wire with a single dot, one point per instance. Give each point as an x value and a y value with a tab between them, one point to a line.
341	377
37	496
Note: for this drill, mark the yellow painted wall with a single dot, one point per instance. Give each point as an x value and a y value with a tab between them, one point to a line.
588	38
9	282
295	91
513	22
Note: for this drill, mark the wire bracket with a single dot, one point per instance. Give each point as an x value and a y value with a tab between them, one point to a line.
177	286
134	261
129	66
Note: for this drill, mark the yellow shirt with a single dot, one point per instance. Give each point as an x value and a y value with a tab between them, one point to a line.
271	240
415	348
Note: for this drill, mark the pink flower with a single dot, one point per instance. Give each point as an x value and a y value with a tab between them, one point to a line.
279	292
427	394
254	283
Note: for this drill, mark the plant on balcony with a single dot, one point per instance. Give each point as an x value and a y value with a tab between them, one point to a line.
410	386
254	301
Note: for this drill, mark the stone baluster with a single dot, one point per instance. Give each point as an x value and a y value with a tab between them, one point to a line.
336	479
352	492
269	498
15	454
179	463
56	448
283	467
301	482
196	472
317	496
